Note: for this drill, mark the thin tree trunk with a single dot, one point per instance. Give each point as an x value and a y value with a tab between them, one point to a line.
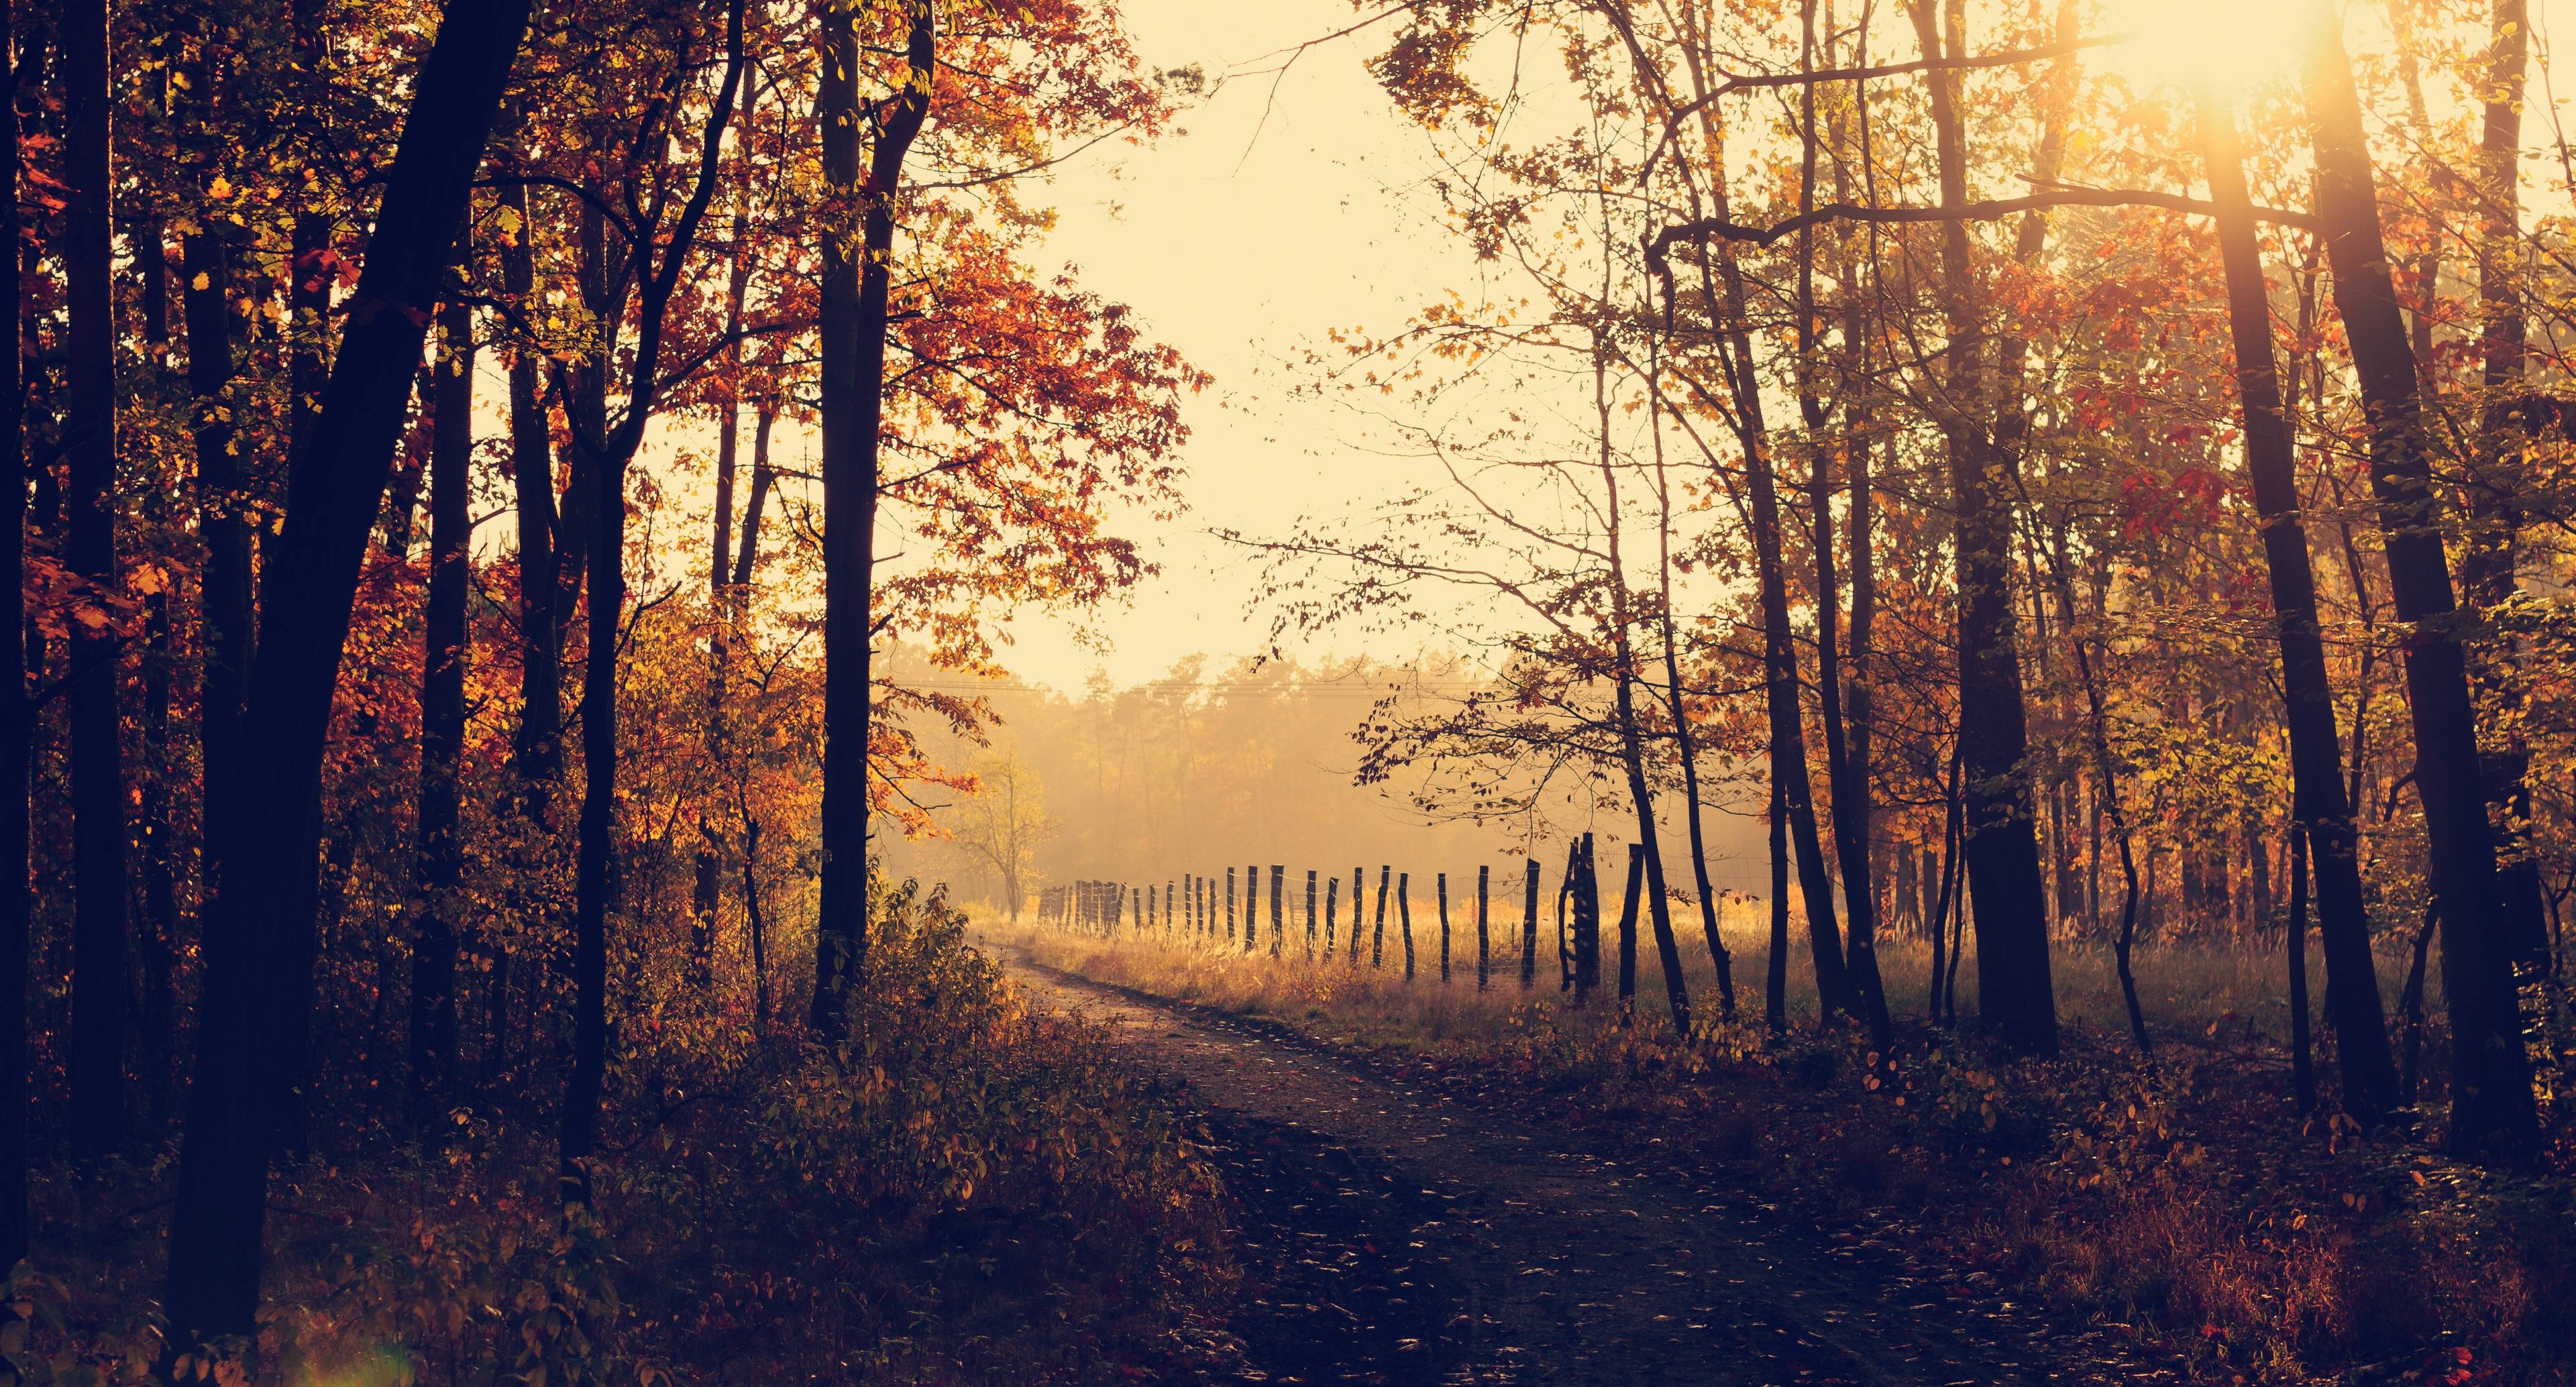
439	863
158	938
2489	562
851	388
2014	991
706	895
1775	973
1631	738
14	739
1849	792
257	935
99	885
2493	1113
761	480
2303	1076
606	454
2322	813
1628	933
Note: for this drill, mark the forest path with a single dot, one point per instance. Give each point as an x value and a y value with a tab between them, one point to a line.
1392	1234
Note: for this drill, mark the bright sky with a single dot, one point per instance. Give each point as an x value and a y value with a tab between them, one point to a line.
1265	225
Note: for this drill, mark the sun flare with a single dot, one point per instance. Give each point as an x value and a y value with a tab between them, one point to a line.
2231	45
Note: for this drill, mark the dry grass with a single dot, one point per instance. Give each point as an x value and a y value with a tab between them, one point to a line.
2186	990
2186	1208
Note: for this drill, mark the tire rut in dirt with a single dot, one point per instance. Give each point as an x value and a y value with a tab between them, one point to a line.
1338	1287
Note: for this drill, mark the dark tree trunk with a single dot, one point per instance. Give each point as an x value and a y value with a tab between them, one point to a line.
706	895
1628	933
99	925
604	456
224	589
761	480
439	863
2014	991
2303	1076
595	849
1632	741
2489	561
158	938
2492	1110
2322	814
852	392
1775	972
257	935
537	750
14	744
1846	784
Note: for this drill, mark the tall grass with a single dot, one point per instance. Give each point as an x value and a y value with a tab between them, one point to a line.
2233	992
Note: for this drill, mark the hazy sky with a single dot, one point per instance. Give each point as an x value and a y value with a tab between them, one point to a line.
1271	221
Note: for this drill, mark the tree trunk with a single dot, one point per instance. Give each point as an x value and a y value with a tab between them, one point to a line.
2303	1076
2318	805
258	958
1775	972
99	924
2014	991
2492	1110
439	864
14	740
158	938
852	392
1846	785
1628	933
761	480
537	751
2489	561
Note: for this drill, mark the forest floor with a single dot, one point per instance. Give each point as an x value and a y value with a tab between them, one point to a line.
1392	1232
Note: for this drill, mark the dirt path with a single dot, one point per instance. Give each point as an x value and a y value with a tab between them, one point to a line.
1396	1235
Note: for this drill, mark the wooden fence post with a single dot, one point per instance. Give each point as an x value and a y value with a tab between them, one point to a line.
1444	929
1565	945
1529	923
1251	906
1310	917
1484	939
1587	924
1332	909
1359	896
1170	901
1377	935
1404	917
1278	907
1229	907
1628	933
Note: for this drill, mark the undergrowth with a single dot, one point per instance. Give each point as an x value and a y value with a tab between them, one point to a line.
966	1192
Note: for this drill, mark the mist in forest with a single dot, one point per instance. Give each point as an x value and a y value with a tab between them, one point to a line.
1227	763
